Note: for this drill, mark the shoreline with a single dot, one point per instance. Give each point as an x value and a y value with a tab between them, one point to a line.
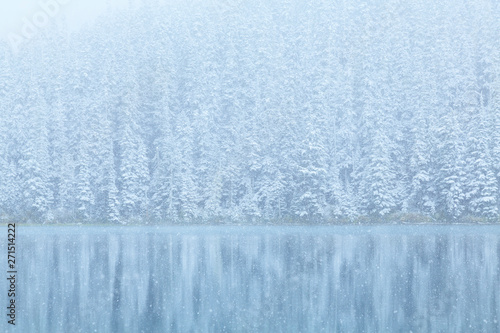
243	225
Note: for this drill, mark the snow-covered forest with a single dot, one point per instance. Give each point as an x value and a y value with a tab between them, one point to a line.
265	110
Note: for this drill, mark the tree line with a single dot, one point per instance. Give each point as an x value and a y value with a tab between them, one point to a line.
266	111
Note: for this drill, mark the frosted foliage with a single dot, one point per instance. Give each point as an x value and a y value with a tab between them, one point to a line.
257	111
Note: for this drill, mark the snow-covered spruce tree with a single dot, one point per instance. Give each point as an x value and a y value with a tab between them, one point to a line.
481	186
490	61
61	170
187	199
33	162
84	197
252	169
451	176
99	129
375	171
495	138
457	82
422	192
378	178
133	163
8	184
162	182
310	181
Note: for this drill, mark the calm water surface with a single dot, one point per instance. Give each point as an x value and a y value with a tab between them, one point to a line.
255	279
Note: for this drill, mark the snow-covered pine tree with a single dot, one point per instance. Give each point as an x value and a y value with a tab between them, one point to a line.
133	163
451	176
33	162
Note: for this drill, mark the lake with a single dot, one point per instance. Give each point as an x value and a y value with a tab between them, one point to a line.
255	279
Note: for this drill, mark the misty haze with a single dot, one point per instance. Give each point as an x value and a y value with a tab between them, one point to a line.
250	166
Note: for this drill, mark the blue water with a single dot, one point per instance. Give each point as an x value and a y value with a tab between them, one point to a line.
256	279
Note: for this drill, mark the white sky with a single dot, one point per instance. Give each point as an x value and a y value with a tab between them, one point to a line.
75	12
